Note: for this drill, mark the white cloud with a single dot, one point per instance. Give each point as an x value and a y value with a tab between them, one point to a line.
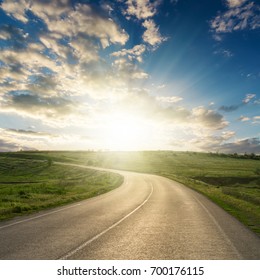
84	50
223	52
85	19
244	119
38	106
210	142
162	86
141	9
4	35
135	53
198	139
237	17
139	75
145	10
226	135
152	35
249	97
21	139
256	120
218	143
69	51
30	133
128	70
11	140
169	99
235	107
36	61
208	118
16	10
63	20
165	110
50	42
235	3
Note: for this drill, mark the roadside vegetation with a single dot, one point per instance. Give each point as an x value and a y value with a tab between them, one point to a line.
29	185
232	181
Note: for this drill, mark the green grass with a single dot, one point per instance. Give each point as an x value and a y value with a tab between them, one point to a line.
230	181
28	185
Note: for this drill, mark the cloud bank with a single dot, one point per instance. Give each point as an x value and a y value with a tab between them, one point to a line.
68	66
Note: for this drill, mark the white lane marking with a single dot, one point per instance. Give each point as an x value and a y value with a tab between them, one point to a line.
106	230
40	216
219	228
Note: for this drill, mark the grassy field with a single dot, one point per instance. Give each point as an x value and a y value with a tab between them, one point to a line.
230	181
28	185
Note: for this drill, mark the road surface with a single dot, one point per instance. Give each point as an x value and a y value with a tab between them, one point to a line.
148	217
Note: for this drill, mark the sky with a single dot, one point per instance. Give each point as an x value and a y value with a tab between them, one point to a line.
179	75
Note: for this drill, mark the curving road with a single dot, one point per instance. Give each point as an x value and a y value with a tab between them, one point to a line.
148	217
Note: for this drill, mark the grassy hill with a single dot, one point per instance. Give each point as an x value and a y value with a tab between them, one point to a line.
28	185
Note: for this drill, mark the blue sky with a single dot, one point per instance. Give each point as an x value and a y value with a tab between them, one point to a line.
130	75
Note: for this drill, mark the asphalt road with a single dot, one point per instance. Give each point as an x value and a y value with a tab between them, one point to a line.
148	217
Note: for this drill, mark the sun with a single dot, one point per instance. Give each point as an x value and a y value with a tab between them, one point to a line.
126	132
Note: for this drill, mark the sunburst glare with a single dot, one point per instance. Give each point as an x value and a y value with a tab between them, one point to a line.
126	132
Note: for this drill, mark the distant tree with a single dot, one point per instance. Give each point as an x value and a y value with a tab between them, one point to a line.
252	156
